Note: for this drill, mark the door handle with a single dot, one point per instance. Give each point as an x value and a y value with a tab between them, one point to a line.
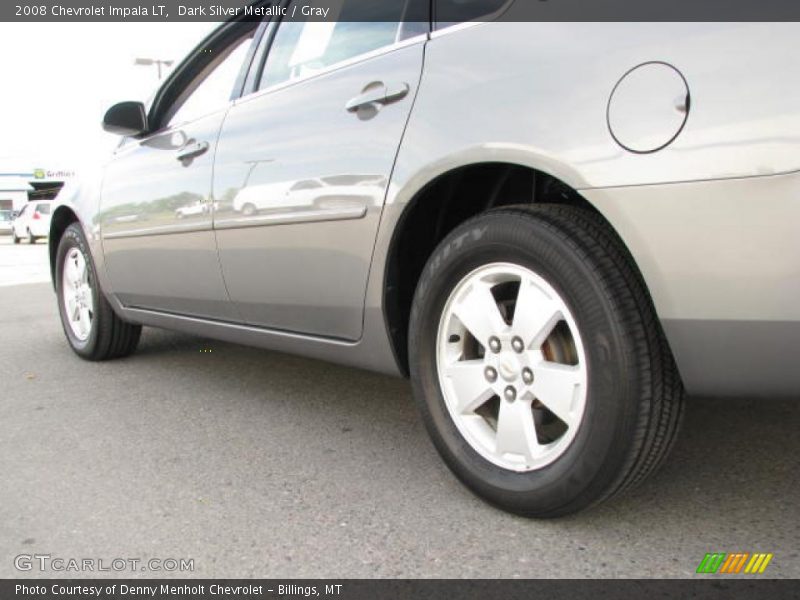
378	93
192	149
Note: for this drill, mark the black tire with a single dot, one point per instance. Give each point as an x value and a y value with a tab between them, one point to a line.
110	337
635	398
14	237
31	239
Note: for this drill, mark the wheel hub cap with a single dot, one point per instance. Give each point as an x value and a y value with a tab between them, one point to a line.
76	291
512	366
509	370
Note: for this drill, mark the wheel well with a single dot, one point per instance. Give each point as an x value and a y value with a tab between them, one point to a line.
440	207
62	219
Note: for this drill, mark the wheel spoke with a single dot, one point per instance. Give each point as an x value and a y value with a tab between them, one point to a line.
87	294
516	432
535	314
479	313
556	386
469	384
85	321
81	271
69	273
72	307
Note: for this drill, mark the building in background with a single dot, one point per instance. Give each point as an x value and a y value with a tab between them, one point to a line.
19	186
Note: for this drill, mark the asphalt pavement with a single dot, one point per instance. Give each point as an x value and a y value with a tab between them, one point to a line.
259	464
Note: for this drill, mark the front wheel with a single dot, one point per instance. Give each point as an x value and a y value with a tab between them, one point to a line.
93	329
537	361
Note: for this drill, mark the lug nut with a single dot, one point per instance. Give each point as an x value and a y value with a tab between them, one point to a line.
527	375
510	393
518	344
491	374
494	345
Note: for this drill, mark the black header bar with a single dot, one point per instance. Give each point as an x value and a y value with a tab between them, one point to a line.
447	10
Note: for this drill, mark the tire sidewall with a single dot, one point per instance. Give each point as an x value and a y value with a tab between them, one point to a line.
73	238
594	456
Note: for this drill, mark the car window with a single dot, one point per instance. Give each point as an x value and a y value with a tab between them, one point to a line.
214	89
305	185
5	215
43	209
301	48
453	12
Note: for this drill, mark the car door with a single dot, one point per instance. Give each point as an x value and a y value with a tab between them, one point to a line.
156	211
303	164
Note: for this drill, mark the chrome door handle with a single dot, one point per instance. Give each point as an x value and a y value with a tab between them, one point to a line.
191	150
396	92
377	93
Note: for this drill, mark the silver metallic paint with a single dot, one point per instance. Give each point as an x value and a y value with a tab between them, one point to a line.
156	258
300	262
711	234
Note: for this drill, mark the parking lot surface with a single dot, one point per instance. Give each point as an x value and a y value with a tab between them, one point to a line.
258	464
22	263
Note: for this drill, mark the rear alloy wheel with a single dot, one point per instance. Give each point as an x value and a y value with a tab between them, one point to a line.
93	329
31	239
538	363
519	399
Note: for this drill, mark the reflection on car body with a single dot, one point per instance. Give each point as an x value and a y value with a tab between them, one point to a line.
553	229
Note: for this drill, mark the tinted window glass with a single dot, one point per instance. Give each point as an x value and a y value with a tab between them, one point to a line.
301	48
5	215
214	91
452	12
43	209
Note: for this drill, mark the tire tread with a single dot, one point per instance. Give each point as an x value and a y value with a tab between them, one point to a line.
663	403
115	338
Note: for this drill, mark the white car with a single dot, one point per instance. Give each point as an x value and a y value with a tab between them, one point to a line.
196	208
5	222
32	222
306	193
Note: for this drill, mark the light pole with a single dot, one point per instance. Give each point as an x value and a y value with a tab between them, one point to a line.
146	62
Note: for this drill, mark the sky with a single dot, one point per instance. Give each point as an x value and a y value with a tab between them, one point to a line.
57	80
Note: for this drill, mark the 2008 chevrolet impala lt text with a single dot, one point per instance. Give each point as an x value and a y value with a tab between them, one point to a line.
556	230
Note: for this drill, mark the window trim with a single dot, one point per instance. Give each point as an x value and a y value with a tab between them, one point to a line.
334	67
257	66
181	99
175	87
438	31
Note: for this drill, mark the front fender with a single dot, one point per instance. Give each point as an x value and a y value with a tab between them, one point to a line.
79	201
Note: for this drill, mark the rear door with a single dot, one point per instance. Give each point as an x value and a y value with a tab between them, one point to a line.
156	211
303	164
